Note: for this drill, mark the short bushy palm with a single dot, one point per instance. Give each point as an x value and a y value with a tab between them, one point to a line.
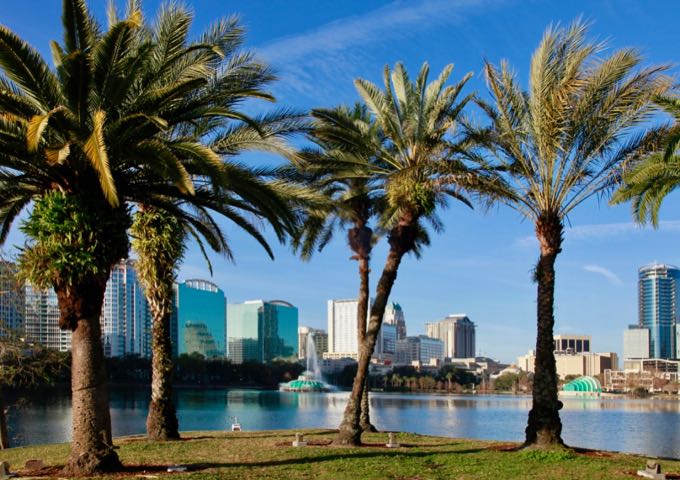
232	190
561	142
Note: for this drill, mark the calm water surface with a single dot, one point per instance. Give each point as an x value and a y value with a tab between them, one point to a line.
650	426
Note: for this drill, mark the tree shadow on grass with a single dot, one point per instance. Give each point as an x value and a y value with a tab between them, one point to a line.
341	454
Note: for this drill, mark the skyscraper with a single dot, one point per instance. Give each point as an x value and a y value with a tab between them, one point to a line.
458	334
635	342
199	319
262	331
342	332
659	302
394	315
41	319
125	318
12	300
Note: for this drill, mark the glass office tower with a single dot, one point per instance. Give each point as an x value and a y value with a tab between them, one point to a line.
262	331
199	319
659	297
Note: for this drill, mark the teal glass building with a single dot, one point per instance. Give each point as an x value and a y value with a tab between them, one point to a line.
199	319
262	331
659	303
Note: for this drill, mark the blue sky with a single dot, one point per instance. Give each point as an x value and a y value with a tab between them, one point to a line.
481	264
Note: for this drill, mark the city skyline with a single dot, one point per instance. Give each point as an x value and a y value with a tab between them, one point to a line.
482	263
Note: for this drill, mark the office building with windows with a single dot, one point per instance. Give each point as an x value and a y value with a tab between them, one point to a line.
262	331
635	342
394	315
320	341
422	349
41	319
572	343
343	332
458	334
12	300
125	318
659	312
199	320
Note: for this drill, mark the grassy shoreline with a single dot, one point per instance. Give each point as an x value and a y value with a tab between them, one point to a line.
269	454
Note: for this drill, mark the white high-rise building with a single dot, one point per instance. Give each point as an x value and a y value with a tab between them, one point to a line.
635	342
125	319
41	319
342	332
458	334
342	327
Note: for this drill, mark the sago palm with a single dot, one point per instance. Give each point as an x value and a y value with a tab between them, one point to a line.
422	160
646	183
159	234
347	141
561	141
81	142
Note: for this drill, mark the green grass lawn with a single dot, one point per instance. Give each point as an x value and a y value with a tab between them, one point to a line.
248	455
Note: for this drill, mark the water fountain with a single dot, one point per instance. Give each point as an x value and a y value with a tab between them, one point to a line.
311	379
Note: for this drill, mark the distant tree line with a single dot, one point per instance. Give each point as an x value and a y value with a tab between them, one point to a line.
31	367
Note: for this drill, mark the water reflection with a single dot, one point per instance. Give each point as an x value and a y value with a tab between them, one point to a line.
648	426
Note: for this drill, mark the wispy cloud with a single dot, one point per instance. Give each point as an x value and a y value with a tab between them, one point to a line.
316	60
603	231
606	273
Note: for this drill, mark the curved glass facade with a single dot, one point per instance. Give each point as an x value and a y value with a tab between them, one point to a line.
262	331
200	309
659	302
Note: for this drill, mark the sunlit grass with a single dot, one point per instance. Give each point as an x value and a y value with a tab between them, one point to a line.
250	455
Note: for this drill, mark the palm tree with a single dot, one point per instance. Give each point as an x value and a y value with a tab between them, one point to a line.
561	142
159	235
347	141
648	181
422	161
82	142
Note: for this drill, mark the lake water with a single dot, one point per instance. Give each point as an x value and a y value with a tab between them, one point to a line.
648	426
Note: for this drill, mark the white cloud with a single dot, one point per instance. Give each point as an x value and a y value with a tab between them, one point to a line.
314	61
606	273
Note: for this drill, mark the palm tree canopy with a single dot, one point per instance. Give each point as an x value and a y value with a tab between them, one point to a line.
424	157
339	169
139	114
648	182
562	140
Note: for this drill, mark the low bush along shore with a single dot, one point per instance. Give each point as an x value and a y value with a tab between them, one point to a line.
246	455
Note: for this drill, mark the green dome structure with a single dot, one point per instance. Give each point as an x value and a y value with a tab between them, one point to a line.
583	387
305	383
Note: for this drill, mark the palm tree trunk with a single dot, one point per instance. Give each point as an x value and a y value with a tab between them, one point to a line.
91	444
161	423
544	427
359	239
350	428
4	436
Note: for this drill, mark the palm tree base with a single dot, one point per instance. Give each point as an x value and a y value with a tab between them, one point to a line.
368	427
348	436
161	423
92	463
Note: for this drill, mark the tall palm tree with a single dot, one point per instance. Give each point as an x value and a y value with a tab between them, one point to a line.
647	182
159	235
561	142
422	161
347	140
83	141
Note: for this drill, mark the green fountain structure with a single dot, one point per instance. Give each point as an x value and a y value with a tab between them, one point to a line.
311	380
